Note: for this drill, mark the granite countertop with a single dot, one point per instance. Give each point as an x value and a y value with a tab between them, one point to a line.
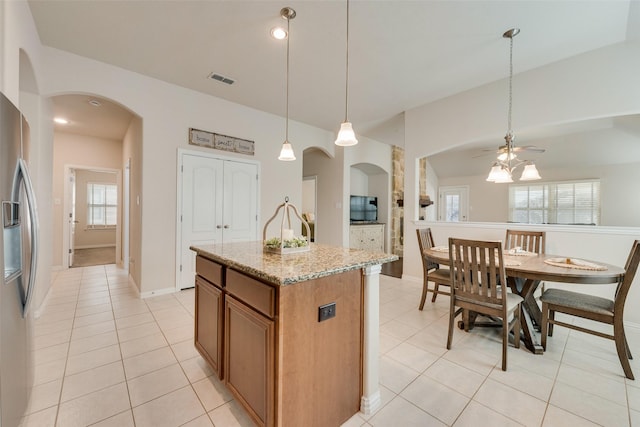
320	261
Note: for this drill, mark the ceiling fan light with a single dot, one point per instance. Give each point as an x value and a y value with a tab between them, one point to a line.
530	173
346	135
494	173
286	153
503	157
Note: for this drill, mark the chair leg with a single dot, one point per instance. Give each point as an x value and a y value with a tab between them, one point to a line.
452	315
545	326
517	327
505	342
552	316
626	343
435	291
621	347
425	288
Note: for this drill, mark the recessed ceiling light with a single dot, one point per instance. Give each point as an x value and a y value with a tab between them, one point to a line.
95	102
278	33
61	120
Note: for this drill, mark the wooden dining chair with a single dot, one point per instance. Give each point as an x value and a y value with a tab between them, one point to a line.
530	241
594	308
479	285
431	271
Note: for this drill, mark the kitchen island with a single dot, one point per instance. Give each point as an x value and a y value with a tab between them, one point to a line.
294	337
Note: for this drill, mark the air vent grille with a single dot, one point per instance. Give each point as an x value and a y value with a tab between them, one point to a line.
221	78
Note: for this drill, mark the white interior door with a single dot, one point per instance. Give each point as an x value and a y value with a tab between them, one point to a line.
453	204
240	217
202	192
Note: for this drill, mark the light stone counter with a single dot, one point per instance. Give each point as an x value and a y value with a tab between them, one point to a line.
320	261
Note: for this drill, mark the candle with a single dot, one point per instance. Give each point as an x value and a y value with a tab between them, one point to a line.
287	234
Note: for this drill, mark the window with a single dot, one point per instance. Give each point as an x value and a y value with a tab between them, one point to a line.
102	205
570	202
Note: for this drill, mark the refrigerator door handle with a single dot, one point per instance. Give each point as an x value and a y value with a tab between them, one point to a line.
23	177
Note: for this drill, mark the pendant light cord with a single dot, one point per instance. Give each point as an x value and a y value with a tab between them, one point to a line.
286	136
346	80
510	83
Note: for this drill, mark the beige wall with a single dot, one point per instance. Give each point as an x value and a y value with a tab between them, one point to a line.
92	238
132	151
77	151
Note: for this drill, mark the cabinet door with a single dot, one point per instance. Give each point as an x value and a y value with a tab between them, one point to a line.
249	360
208	324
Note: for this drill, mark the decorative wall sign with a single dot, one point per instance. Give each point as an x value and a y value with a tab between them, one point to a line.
221	142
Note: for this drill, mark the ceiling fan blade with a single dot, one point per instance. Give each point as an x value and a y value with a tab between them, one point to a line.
530	148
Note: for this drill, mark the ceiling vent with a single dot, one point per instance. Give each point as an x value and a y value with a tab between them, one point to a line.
221	78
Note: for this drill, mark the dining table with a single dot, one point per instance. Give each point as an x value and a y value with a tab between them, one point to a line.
526	270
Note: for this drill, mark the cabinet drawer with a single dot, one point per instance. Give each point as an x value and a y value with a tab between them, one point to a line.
210	270
251	291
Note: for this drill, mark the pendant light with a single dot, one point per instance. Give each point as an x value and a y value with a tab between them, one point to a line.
286	154
502	169
346	135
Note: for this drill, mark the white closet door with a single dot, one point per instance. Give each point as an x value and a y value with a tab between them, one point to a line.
202	208
240	202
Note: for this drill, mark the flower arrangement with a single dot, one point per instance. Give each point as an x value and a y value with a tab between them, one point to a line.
295	242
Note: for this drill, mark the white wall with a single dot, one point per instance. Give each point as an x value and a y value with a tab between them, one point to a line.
359	185
601	83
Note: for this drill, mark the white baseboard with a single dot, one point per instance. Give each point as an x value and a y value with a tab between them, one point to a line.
157	292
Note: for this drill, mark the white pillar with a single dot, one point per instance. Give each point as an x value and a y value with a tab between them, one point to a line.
370	391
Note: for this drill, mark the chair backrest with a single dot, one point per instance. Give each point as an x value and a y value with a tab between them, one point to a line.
425	241
629	273
478	270
531	241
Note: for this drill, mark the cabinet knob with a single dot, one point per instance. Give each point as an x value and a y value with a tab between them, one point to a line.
218	227
226	226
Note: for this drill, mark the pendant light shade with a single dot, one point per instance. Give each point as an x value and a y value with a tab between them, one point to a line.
286	153
530	173
346	135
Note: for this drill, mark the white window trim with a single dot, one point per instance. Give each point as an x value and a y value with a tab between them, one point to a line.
92	227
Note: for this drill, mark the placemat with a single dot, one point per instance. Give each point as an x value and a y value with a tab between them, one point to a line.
574	263
519	252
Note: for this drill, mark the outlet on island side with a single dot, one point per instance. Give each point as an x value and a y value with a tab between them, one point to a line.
326	311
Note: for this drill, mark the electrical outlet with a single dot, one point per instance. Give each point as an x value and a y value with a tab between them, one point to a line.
326	311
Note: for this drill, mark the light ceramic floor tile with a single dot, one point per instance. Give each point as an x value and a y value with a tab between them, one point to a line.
50	354
148	362
173	409
92	329
412	356
135	320
394	375
94	407
44	418
93	359
587	405
387	343
525	381
399	330
212	393
124	419
230	415
93	343
400	412
511	403
177	335
93	309
44	396
142	345
459	378
196	369
201	421
593	383
556	417
147	387
635	418
49	340
137	332
436	399
92	319
49	371
184	350
95	379
476	414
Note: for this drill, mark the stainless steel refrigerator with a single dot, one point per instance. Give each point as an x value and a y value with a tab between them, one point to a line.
18	257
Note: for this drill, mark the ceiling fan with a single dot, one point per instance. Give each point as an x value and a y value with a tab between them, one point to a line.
503	149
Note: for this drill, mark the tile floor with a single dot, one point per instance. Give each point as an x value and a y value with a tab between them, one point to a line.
105	358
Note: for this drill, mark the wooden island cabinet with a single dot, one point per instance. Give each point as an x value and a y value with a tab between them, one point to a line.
258	324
